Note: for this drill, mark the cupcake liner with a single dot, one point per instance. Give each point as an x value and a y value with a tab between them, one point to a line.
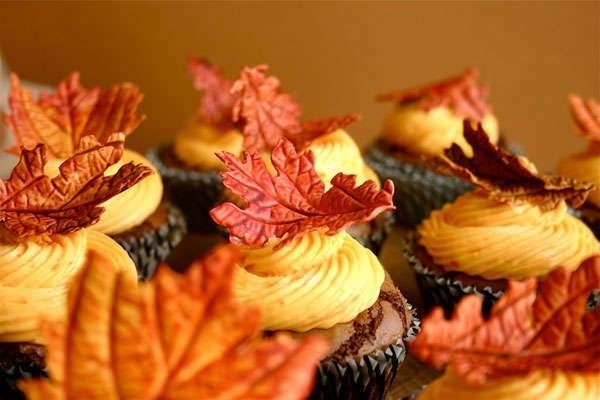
418	190
194	192
18	362
368	377
149	246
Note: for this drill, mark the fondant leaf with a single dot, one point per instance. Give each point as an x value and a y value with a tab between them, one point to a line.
32	203
293	201
529	328
175	337
311	130
586	114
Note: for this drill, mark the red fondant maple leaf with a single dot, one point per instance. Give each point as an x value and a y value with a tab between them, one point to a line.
529	328
61	118
586	114
293	201
268	114
216	106
32	203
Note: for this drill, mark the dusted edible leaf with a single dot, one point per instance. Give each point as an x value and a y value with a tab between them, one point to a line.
32	203
293	201
216	106
586	115
175	337
60	119
529	328
462	94
311	130
508	177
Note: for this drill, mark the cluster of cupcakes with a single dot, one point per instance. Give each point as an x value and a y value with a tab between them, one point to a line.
296	303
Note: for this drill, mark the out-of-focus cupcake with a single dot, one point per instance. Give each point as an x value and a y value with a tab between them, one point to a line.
585	165
515	225
539	342
45	239
138	219
423	122
308	274
188	166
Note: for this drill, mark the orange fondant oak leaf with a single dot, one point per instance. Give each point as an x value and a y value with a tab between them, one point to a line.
293	201
586	114
507	177
61	118
32	203
176	337
268	114
216	106
462	94
529	328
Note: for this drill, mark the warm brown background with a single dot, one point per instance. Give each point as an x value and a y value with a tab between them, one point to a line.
333	56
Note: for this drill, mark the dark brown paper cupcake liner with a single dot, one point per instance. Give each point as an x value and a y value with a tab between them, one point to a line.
194	192
148	245
19	361
368	377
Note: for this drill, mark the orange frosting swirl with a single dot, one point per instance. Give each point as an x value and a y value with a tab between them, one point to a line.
543	384
480	236
34	278
584	166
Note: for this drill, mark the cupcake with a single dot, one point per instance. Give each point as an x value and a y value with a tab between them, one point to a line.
268	114
177	336
45	239
539	342
515	225
144	225
308	274
585	165
424	121
188	165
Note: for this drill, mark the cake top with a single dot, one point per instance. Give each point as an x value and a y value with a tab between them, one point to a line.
461	94
586	115
268	113
62	118
507	177
216	104
533	326
294	201
34	204
150	340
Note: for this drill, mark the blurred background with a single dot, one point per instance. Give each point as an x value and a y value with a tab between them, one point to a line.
333	56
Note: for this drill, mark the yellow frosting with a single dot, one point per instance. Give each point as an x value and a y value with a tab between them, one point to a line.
543	384
480	236
34	277
584	166
197	144
316	281
337	152
430	132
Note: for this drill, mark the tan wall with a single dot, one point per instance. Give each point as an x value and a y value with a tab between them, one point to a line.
333	56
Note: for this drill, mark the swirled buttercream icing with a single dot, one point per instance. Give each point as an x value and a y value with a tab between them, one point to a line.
543	384
584	166
429	132
338	152
34	277
316	281
480	236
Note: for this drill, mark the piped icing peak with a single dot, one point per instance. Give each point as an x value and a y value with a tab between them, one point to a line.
268	113
461	94
34	204
62	118
586	115
534	326
506	177
294	201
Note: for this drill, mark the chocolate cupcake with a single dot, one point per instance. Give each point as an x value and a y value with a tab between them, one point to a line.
424	121
308	274
146	226
46	240
516	225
